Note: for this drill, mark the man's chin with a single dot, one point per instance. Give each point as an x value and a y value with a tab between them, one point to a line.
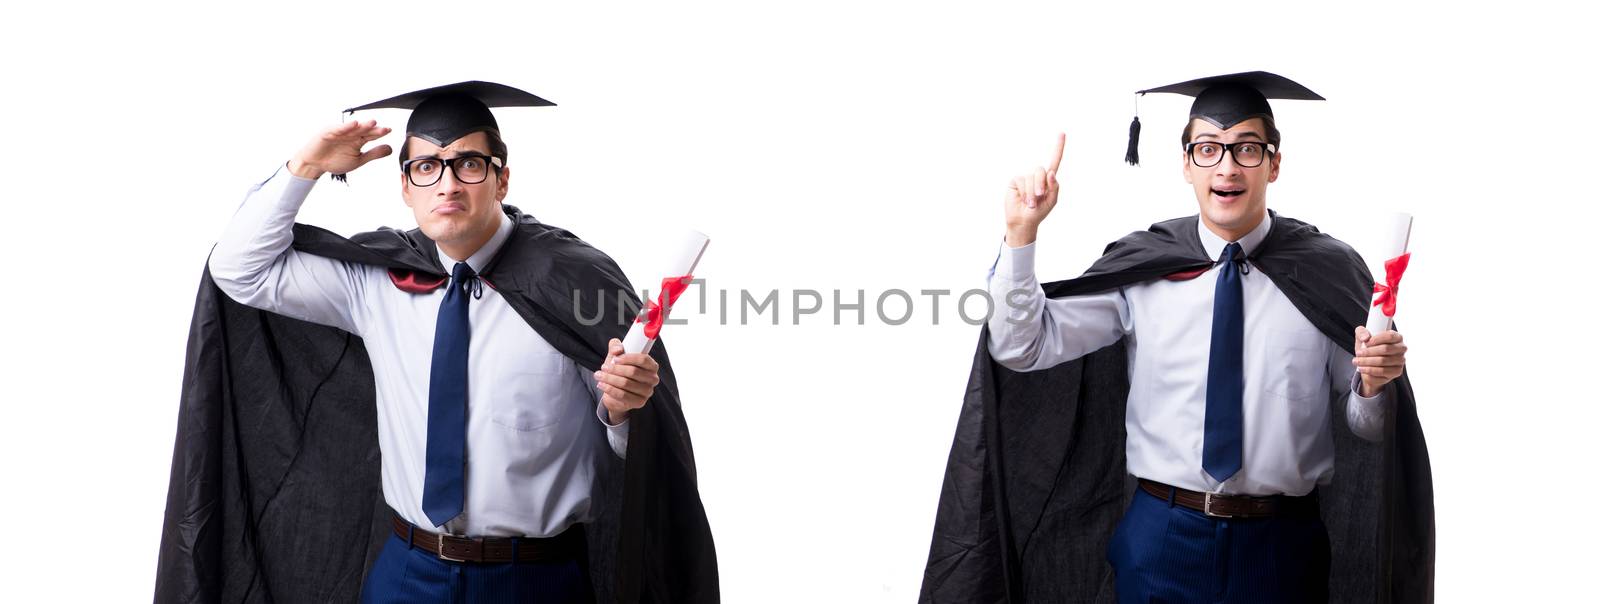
1233	218
439	228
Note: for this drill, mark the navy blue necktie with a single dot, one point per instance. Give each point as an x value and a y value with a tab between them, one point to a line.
443	486
1224	441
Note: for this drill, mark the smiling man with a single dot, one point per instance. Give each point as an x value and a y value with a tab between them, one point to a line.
1199	376
501	418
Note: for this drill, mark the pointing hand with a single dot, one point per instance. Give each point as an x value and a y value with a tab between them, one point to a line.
1030	198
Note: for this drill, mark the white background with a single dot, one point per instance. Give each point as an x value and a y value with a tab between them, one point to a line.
822	145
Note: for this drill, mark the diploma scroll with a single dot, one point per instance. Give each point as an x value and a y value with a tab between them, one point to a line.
683	256
1397	238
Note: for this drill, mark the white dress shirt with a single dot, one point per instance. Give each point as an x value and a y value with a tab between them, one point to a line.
1290	369
534	421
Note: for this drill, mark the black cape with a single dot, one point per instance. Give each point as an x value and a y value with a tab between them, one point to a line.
275	493
1037	475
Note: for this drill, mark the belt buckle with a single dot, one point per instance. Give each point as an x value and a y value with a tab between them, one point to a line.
1208	508
442	555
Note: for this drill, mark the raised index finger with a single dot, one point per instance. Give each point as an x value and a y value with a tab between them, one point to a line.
1061	145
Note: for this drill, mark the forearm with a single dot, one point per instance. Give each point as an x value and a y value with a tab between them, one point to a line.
616	428
1015	326
1366	410
254	264
259	232
1028	332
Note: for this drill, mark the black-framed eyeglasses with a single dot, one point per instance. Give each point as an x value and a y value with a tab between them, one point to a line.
1248	154
470	169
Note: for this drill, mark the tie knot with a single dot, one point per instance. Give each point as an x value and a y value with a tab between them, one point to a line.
467	281
1231	252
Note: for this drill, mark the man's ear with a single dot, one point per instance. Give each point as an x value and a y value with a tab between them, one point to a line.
1272	173
503	185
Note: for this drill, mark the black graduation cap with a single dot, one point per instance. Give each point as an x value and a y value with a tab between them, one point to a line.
443	114
1226	100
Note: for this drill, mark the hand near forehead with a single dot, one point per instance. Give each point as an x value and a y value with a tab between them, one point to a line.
338	150
1030	198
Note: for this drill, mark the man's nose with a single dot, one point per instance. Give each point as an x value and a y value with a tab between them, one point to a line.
448	183
1227	166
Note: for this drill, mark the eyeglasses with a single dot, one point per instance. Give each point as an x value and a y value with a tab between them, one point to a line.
470	169
1248	154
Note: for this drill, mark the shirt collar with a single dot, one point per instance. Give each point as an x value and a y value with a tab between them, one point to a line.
484	254
1248	243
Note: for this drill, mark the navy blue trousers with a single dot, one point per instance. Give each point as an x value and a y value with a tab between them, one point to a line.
409	575
1168	553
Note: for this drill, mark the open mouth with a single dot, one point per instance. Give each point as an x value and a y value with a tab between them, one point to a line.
1227	194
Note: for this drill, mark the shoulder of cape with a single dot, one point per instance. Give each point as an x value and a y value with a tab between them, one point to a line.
1171	237
1322	276
1165	248
385	247
538	251
1300	252
1297	238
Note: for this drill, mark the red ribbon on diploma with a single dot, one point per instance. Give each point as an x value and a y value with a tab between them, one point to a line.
656	311
1387	291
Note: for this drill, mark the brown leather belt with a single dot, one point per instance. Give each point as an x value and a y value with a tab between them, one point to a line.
569	545
1217	505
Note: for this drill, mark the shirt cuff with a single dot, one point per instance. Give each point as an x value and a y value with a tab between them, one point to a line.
1368	402
1014	263
605	418
284	169
616	435
286	189
1366	415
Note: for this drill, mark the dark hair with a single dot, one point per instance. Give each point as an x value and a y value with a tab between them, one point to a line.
1273	136
497	147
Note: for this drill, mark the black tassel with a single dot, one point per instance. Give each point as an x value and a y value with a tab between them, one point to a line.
1133	143
338	178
